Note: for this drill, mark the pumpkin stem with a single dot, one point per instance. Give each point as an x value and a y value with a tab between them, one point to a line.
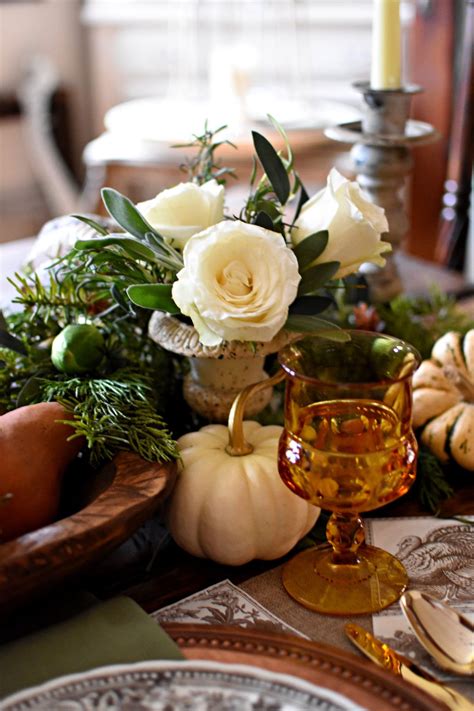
459	380
238	446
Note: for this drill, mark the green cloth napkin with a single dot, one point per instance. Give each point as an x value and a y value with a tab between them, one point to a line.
113	632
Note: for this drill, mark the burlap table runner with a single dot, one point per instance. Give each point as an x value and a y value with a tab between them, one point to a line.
268	590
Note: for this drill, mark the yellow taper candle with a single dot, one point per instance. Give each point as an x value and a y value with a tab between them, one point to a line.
386	45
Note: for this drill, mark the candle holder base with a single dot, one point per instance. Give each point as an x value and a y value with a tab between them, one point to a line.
381	156
416	133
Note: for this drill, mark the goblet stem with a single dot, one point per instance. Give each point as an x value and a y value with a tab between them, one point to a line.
345	533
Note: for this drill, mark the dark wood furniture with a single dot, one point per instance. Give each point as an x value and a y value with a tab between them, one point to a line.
441	62
453	235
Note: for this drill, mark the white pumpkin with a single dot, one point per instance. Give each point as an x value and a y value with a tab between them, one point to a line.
233	509
443	399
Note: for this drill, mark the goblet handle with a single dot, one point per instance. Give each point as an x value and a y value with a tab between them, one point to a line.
238	446
345	533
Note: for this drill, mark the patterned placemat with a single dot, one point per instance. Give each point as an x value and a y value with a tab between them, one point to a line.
263	602
225	604
438	555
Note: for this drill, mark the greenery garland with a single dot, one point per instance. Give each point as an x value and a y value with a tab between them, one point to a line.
120	404
114	413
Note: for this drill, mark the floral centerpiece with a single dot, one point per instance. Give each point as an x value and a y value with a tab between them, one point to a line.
238	277
247	279
241	279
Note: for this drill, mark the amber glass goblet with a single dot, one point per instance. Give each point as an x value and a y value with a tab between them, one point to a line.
348	447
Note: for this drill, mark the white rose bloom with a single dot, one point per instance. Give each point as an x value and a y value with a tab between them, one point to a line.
355	225
180	212
237	283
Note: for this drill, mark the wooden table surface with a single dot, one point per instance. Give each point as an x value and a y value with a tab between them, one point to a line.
176	574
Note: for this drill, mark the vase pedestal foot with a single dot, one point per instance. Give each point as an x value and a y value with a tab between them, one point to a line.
373	583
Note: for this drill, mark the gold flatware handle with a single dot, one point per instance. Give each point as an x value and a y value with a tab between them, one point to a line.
392	661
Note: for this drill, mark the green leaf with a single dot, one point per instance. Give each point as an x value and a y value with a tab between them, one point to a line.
11	343
167	253
304	197
310	248
273	166
264	220
313	324
92	223
269	207
310	305
125	213
278	127
316	277
119	296
30	392
133	247
153	296
253	173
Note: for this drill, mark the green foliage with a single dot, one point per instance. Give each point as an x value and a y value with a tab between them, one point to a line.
273	167
431	484
310	249
422	320
100	229
114	413
310	305
12	343
316	277
142	244
125	213
15	372
278	185
132	247
203	166
47	308
153	296
137	267
114	262
302	199
121	405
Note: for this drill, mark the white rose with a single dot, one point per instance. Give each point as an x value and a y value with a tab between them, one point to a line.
237	283
355	225
180	212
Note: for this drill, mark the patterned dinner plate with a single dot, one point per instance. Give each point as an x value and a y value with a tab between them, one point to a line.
170	686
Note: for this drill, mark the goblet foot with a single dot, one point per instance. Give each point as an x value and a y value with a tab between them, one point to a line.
373	583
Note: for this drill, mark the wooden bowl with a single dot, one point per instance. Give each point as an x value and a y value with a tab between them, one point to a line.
127	492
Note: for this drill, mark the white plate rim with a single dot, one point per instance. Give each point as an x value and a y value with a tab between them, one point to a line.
21	697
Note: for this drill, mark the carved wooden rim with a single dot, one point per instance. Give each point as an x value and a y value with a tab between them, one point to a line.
318	663
182	338
38	560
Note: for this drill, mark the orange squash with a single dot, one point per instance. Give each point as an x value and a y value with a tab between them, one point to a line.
34	454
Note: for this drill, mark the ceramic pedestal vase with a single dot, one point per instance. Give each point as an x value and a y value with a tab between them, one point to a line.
218	373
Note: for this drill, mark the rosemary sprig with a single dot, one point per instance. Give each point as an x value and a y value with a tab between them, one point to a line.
203	166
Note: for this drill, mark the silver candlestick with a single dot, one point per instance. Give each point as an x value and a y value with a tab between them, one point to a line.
382	160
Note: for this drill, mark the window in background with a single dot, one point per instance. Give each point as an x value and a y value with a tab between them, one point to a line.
293	58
